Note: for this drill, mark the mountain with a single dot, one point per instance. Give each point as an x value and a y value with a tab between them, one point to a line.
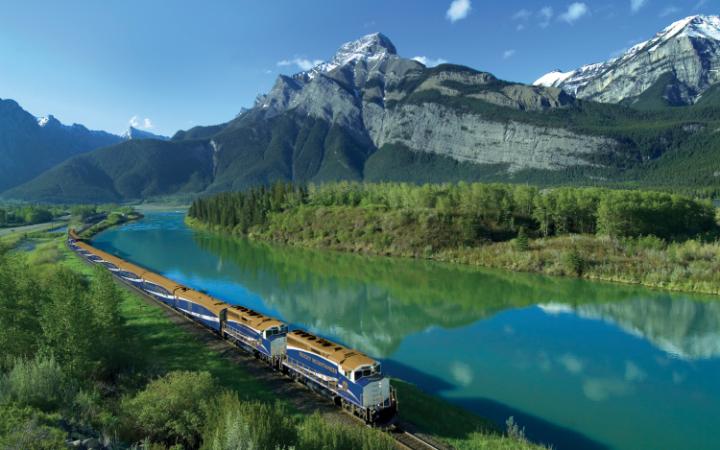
370	114
676	67
30	145
134	133
131	170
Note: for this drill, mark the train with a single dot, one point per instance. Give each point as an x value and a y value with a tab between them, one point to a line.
353	380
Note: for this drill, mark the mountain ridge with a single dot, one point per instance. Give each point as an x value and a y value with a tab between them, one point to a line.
369	114
689	49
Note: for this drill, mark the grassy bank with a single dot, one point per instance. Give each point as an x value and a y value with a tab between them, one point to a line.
166	357
647	238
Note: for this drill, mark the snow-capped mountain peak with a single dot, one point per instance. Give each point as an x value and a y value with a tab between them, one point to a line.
371	47
688	50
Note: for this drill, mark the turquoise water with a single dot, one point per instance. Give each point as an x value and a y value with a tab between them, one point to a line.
578	364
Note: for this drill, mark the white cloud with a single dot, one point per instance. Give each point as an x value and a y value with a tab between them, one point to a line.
507	54
575	12
138	123
669	11
635	5
523	14
302	63
546	14
459	9
429	62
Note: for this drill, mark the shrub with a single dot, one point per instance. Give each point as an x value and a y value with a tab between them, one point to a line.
574	262
25	428
171	409
38	383
522	243
237	425
317	434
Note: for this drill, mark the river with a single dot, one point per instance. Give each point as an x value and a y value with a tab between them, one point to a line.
578	364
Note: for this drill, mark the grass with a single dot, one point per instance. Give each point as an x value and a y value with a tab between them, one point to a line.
452	424
167	347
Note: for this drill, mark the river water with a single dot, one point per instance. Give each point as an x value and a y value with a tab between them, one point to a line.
578	364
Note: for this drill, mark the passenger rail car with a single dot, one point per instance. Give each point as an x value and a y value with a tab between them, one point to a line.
263	335
352	379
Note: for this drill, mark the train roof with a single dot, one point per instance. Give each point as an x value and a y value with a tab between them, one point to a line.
104	255
166	283
346	358
254	319
213	304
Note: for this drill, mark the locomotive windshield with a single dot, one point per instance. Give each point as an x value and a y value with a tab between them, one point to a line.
367	371
276	330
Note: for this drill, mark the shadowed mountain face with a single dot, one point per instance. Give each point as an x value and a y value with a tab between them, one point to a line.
29	146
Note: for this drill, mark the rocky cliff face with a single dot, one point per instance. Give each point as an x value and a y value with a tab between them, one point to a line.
368	89
684	57
433	128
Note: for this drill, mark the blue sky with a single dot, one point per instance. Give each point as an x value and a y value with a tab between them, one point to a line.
180	63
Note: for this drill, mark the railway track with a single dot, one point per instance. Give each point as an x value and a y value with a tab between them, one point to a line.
404	439
410	441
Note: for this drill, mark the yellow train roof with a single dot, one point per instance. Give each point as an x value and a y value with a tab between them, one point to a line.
252	318
212	304
169	285
346	358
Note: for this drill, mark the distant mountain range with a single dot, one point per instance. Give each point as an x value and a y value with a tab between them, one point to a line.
646	118
29	146
676	67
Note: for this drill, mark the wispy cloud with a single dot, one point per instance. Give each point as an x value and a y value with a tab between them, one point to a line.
636	5
429	62
522	14
459	9
301	63
669	11
699	4
575	12
137	122
545	14
507	54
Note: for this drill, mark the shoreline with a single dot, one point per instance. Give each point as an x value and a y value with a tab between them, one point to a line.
453	257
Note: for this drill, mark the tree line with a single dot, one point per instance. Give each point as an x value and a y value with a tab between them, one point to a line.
498	210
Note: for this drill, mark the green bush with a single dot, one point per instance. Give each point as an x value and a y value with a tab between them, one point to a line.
574	262
315	433
25	428
522	243
39	383
235	425
172	409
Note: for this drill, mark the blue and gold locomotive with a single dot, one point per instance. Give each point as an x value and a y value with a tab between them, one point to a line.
352	379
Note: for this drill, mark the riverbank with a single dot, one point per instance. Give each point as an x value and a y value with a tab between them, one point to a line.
690	266
169	343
